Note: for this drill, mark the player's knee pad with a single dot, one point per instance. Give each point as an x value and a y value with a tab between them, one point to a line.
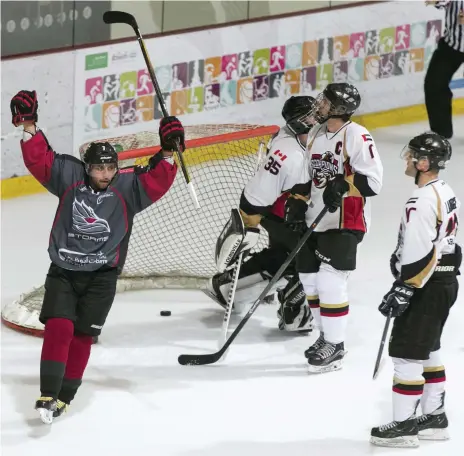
233	240
332	285
294	313
309	283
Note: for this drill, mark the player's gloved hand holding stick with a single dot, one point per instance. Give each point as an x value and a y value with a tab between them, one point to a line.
396	301
296	207
334	191
120	17
171	133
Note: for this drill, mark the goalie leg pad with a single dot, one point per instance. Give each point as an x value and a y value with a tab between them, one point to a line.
294	313
233	240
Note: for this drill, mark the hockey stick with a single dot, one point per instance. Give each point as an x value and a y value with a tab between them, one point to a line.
214	357
230	301
378	361
120	17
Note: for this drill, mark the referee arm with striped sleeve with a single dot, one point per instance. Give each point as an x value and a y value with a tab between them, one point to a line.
445	61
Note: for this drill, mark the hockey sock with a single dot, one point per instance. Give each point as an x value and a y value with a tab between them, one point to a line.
434	388
334	318
408	385
79	354
57	339
313	302
332	285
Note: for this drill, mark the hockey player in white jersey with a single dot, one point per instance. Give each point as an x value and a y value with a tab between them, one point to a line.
345	172
425	265
263	203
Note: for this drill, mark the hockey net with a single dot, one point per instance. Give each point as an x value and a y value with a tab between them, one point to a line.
172	243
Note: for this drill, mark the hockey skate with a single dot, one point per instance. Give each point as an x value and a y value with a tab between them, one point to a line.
397	434
433	426
327	358
47	407
61	407
320	341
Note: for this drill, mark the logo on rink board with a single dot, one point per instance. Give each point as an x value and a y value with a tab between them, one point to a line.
248	76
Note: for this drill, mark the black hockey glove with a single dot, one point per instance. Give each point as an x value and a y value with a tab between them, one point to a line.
24	107
171	133
334	192
393	261
397	299
296	207
295	211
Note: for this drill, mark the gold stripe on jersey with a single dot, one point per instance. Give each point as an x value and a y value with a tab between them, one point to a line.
312	297
251	221
424	266
345	153
439	219
353	191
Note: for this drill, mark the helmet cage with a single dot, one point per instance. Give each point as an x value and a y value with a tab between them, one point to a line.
325	109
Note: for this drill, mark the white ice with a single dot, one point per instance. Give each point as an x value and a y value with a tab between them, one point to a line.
137	400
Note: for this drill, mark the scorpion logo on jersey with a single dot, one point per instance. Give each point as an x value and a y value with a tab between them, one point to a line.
324	167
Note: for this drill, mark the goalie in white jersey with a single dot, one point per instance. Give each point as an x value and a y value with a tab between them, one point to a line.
425	266
345	172
263	203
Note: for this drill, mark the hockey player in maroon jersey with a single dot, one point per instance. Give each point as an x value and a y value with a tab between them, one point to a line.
88	241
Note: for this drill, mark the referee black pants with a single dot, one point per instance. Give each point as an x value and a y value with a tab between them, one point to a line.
444	63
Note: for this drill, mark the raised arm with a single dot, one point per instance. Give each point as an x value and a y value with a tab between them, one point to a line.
145	185
54	171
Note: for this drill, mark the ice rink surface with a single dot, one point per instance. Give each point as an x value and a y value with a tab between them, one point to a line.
137	400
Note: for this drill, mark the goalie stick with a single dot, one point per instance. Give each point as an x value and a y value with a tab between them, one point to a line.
120	17
212	358
230	301
379	360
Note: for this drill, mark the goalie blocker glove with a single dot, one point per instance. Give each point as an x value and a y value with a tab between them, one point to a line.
396	300
24	106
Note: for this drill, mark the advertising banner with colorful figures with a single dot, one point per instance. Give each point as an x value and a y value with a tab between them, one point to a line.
237	73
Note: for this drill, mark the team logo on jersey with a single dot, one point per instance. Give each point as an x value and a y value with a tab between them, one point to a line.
324	167
85	220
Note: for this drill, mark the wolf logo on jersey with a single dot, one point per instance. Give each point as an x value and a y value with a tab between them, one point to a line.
324	167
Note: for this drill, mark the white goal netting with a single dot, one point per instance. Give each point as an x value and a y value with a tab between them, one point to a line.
172	243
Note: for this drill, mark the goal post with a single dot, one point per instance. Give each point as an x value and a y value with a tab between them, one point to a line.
172	243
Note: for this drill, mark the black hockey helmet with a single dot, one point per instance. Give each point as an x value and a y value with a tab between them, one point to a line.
100	153
431	146
296	112
338	100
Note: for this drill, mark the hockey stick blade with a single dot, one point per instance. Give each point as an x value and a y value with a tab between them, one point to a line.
119	17
211	358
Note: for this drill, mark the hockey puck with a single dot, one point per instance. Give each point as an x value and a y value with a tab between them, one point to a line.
165	313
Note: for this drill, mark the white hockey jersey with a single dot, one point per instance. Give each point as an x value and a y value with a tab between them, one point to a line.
285	165
350	151
427	232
